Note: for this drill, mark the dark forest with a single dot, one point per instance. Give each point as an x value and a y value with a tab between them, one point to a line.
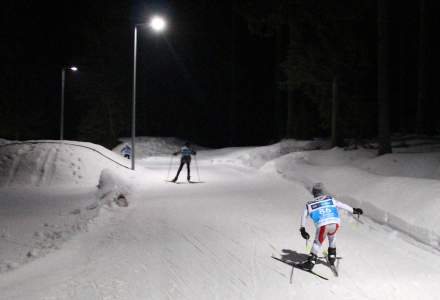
226	73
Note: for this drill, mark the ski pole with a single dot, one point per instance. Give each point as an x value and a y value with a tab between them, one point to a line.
197	168
169	167
291	276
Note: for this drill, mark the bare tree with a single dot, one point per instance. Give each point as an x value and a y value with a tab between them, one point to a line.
422	86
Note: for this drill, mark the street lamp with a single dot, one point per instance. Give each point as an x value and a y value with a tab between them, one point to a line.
157	24
63	83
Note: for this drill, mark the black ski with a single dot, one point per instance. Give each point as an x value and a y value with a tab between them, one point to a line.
298	266
332	267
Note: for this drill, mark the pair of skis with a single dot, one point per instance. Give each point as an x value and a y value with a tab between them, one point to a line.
181	182
298	265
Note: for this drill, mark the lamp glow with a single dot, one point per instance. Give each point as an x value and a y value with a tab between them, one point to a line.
158	23
73	68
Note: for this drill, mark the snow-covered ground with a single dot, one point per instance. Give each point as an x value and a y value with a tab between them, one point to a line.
215	239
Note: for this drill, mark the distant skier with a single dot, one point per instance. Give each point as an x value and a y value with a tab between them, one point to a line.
186	153
323	210
126	151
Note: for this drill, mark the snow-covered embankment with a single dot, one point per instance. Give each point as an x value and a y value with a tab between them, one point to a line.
50	191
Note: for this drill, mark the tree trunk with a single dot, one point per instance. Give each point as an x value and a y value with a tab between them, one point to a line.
278	77
422	86
402	79
336	135
290	122
382	84
233	91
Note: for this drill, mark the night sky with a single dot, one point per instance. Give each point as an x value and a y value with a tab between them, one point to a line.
216	77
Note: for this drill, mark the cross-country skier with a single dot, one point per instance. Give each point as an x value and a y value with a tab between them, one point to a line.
186	153
323	210
126	151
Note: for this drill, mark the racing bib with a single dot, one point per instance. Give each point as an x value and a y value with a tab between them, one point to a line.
323	211
186	151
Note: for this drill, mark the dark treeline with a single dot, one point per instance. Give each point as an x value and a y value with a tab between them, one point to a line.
225	73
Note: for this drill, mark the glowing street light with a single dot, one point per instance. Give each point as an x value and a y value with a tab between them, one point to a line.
158	25
63	83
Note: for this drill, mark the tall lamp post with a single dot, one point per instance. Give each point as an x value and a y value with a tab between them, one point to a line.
63	84
156	24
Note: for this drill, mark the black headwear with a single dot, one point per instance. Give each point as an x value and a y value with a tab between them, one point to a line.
318	189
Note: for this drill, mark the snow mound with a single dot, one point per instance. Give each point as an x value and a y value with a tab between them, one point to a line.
257	157
405	164
3	141
48	163
114	188
153	146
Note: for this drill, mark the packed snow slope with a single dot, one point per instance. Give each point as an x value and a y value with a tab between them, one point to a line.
215	239
49	192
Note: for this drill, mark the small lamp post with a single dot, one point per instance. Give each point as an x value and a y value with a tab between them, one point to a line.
63	84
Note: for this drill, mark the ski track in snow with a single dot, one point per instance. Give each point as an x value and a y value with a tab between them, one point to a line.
215	241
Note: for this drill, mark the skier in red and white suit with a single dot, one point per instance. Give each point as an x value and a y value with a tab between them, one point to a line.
323	210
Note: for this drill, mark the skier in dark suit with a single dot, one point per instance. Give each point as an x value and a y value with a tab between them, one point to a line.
185	153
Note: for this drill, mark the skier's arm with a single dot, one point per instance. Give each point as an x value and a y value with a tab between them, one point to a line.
356	211
177	152
344	206
304	217
302	229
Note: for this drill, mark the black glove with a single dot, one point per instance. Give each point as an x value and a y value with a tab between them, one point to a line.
175	153
304	233
357	211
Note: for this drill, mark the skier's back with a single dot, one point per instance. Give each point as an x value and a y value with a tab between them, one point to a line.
323	210
186	151
126	151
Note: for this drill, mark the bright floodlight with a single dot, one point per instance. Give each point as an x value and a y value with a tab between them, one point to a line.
74	69
158	23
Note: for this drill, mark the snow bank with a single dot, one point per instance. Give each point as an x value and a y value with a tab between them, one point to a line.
153	146
426	165
114	187
53	163
408	204
3	141
256	157
49	193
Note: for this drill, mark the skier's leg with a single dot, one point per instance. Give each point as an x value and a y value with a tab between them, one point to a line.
321	232
188	162
178	171
332	229
317	243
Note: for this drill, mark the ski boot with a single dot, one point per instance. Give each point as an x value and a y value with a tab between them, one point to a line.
310	263
331	255
189	179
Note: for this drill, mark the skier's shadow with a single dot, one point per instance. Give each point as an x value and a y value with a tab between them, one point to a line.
296	257
293	256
